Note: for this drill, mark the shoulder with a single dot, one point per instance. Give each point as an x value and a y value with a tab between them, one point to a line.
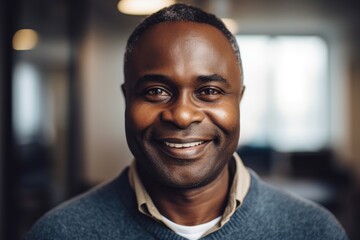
291	215
83	216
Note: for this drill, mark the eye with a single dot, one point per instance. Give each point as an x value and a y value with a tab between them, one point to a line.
156	94
209	91
156	91
209	94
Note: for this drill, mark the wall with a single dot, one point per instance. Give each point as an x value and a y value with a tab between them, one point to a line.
354	118
105	147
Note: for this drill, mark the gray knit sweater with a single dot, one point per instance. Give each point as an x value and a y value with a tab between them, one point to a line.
110	212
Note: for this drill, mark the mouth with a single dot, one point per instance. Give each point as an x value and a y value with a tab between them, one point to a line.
189	149
183	145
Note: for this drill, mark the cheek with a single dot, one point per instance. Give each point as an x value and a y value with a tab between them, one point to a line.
226	117
140	116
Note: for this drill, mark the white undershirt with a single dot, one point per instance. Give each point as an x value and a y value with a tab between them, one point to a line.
191	232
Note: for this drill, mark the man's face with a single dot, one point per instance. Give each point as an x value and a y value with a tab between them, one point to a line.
183	90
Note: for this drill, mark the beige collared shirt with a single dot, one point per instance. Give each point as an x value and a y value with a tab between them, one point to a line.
239	188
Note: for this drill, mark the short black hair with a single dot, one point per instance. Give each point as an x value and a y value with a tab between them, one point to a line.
180	12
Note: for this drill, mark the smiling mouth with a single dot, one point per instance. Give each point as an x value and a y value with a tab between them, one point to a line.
183	145
185	149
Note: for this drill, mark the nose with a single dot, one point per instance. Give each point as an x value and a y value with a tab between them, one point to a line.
183	112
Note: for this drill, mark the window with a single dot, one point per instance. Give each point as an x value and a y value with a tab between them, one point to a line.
27	102
285	103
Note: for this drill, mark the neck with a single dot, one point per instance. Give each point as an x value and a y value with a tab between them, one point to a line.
191	206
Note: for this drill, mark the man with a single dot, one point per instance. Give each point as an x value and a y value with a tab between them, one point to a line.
183	87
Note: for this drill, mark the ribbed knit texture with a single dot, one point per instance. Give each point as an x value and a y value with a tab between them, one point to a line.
110	212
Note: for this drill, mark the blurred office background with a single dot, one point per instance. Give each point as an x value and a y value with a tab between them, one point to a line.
61	107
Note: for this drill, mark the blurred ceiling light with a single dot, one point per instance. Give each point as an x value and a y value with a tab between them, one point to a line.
25	39
142	7
230	24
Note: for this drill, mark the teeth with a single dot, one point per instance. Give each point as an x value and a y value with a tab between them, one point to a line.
183	145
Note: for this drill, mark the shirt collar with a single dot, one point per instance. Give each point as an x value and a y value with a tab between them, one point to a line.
239	188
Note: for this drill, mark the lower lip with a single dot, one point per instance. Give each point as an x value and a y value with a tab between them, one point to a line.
187	153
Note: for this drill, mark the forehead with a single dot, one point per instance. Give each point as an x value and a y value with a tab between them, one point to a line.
183	45
174	33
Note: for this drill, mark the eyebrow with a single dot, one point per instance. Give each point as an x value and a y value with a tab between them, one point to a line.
212	78
153	78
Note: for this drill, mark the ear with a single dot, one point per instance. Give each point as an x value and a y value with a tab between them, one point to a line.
123	89
242	92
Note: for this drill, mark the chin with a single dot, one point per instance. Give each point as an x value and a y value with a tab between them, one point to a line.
185	177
